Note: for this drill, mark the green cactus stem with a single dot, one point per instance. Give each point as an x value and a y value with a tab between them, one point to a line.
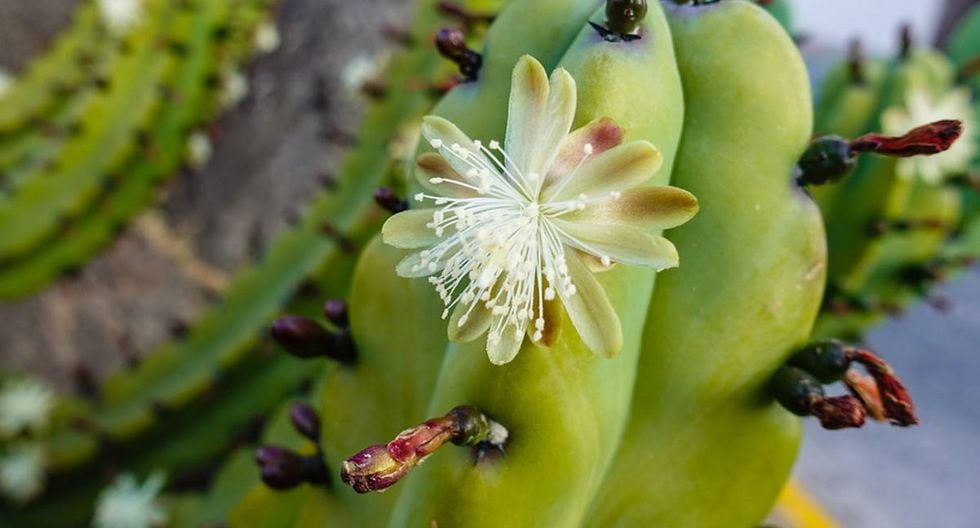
66	67
174	375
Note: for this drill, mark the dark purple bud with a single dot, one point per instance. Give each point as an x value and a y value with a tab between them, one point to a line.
280	468
305	421
451	43
336	312
389	201
301	336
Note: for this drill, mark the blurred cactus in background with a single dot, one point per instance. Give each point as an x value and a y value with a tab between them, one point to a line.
499	247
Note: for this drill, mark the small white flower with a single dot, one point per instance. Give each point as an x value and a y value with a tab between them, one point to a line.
126	504
361	71
25	405
121	15
516	231
199	149
267	37
234	88
921	108
6	81
22	473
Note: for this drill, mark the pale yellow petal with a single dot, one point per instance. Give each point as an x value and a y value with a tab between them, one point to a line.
475	324
408	229
651	208
615	170
621	243
505	349
597	137
591	312
527	111
444	132
432	166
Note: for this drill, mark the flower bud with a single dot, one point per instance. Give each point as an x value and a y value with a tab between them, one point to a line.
305	421
281	469
624	16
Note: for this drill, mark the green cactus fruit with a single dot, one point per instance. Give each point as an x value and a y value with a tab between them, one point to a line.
745	296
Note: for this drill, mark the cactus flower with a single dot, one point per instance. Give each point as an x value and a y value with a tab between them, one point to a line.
128	504
25	405
121	15
22	473
518	228
921	107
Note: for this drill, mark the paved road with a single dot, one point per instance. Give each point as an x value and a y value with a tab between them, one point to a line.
924	477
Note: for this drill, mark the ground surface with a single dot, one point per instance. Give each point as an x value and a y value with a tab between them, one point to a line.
268	157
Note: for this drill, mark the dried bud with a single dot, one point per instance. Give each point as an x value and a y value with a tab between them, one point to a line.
931	138
305	421
381	466
839	412
895	399
863	388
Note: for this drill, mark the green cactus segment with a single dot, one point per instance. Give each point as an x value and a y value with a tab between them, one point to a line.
128	191
62	70
178	372
105	141
964	47
782	11
752	269
873	269
206	431
564	407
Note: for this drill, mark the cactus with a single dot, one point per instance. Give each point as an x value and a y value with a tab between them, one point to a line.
218	357
890	222
198	50
563	408
589	421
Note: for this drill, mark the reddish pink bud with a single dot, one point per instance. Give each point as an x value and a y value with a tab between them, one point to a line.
932	138
839	412
895	399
